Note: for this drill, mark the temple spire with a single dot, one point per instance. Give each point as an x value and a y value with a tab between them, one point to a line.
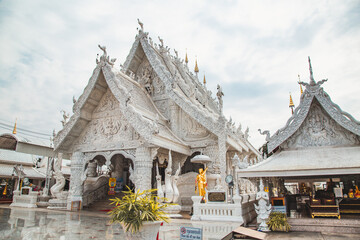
291	104
186	58
14	130
312	81
196	70
204	80
301	90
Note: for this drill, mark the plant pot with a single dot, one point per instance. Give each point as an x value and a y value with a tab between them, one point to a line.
148	231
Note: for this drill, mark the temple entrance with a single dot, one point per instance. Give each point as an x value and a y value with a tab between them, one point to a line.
120	169
191	167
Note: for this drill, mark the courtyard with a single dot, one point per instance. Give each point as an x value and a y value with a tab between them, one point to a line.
22	223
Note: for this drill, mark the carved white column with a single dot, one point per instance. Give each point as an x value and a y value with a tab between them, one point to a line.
76	186
143	167
222	152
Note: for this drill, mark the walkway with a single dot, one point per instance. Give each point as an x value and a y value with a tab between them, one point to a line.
40	223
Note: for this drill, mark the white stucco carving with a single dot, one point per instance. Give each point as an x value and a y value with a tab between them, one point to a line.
153	102
313	91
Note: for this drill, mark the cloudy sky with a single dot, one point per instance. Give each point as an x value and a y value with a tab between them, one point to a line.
253	49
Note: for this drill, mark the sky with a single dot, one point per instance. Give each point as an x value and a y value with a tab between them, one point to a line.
254	49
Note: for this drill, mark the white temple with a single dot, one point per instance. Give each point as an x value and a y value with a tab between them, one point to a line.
127	121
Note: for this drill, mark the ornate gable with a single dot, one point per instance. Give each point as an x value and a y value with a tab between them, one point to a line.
108	127
331	121
319	129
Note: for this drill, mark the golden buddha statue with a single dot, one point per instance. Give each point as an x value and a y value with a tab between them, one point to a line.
200	182
357	192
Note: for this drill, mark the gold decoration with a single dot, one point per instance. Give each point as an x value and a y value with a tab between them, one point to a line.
14	131
196	67
200	183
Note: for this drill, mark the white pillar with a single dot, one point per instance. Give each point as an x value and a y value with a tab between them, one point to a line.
143	166
76	186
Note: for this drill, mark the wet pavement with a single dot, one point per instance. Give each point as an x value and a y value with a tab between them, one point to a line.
24	223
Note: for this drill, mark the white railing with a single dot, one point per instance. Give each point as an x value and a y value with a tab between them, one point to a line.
95	195
235	212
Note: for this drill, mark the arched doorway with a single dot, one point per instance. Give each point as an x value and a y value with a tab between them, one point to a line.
191	167
120	169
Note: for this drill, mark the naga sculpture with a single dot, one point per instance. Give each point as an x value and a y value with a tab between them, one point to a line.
175	178
267	133
160	192
57	189
169	192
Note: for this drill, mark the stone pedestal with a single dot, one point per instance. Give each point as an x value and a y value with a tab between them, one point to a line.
24	198
43	201
60	204
173	211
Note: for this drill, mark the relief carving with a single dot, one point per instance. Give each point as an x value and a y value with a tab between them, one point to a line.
192	129
319	129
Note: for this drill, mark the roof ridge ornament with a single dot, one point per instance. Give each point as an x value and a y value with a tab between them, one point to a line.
105	58
265	132
141	25
312	81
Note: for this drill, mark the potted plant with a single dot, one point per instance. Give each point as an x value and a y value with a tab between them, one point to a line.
278	222
139	213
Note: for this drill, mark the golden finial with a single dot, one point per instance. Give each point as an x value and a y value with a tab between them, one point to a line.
14	131
186	58
301	90
291	104
204	80
196	70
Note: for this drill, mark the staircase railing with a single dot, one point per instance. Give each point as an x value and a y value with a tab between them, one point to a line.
94	195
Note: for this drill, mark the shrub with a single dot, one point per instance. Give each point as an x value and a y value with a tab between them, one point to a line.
135	208
278	221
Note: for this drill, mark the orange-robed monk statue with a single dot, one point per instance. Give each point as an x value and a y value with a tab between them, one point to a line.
200	182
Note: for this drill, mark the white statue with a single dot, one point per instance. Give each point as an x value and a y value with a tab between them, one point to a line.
169	192
263	209
175	178
160	192
219	95
65	117
57	189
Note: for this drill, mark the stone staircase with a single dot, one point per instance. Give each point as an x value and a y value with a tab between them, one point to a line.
329	225
103	204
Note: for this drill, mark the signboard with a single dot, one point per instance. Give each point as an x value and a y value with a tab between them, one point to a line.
216	197
189	233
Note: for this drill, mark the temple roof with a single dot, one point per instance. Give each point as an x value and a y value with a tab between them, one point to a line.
307	162
179	83
135	105
313	91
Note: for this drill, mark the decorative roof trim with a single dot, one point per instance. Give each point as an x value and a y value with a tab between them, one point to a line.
165	76
144	127
62	134
344	119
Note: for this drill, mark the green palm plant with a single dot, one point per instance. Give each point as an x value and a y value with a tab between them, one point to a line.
135	208
278	221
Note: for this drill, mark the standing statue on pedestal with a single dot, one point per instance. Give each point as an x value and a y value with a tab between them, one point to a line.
169	192
263	209
200	183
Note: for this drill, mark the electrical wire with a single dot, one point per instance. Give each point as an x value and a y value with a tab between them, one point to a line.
24	133
22	129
